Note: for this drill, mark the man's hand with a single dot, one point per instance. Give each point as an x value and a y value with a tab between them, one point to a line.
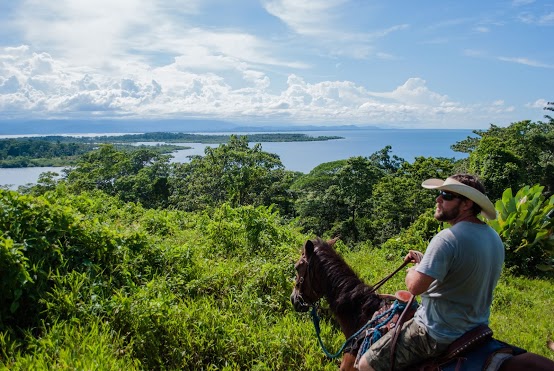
414	257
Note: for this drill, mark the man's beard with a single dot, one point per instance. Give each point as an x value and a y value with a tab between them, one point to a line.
446	215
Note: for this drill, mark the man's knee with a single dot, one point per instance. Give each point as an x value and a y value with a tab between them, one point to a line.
364	365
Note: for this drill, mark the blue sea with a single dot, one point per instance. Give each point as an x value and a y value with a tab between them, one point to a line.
304	156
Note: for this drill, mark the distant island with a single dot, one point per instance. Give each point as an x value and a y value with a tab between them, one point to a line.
63	150
64	126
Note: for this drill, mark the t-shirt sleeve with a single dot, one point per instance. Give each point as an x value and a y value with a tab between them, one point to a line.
437	259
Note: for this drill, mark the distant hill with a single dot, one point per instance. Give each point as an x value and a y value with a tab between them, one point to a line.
16	127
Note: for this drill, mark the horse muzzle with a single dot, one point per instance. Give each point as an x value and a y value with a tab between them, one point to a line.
298	303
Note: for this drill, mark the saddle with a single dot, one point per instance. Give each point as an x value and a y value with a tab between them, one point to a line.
455	351
475	350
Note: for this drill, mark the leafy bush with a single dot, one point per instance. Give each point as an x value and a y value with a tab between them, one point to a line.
41	241
75	346
416	236
171	290
245	231
526	229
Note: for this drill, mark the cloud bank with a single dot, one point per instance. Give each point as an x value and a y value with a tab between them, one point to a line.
176	59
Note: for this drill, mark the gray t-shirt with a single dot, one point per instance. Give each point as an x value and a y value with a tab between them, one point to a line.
465	260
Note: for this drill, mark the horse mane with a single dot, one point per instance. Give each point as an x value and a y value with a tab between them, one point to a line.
346	293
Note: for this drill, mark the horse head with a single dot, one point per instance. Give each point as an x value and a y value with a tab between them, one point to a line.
308	286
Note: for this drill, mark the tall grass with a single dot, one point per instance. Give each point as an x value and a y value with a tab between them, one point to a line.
166	290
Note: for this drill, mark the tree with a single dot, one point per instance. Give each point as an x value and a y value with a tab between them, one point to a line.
355	182
497	164
549	107
398	199
232	173
335	197
134	176
514	156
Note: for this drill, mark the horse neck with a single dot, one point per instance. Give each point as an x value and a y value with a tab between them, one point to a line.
351	301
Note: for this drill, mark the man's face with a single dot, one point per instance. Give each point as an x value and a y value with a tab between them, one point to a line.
448	206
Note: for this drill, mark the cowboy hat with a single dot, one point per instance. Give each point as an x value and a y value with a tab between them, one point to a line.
452	185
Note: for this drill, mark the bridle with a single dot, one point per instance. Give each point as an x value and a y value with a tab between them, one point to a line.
299	284
300	279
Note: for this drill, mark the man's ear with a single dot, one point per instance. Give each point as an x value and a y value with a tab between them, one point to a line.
468	204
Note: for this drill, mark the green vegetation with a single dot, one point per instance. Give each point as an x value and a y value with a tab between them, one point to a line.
131	262
185	137
27	152
58	150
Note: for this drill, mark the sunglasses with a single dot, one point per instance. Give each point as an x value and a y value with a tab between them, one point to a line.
447	196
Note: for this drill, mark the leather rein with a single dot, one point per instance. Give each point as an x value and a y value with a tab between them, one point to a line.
401	320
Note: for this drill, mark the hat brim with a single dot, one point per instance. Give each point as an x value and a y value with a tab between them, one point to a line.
452	185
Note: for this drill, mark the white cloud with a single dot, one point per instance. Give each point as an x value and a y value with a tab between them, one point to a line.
415	91
113	35
547	19
328	26
40	85
522	2
539	103
308	17
525	61
541	20
482	29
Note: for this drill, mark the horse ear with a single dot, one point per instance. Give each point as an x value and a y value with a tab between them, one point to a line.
309	248
333	241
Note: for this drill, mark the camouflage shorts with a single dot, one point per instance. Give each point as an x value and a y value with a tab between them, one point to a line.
414	345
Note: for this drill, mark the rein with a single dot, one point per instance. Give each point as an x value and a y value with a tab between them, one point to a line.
315	317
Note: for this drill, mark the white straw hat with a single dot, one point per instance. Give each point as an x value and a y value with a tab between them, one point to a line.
452	185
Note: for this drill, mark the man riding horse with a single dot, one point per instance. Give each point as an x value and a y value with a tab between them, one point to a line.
455	278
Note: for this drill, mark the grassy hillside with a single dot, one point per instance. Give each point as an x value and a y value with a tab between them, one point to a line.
90	282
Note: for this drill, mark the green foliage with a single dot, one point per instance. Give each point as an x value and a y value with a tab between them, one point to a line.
416	236
34	152
13	276
335	197
245	230
513	156
521	312
398	199
43	241
498	164
231	173
134	176
74	346
180	290
526	227
315	205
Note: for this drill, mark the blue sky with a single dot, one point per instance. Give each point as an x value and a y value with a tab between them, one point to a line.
410	64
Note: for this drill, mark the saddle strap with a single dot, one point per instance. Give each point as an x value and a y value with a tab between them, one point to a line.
398	328
468	341
402	319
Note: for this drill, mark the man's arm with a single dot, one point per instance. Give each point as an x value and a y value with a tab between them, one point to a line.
416	282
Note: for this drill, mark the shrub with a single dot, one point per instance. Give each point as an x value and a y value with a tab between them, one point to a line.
526	229
75	346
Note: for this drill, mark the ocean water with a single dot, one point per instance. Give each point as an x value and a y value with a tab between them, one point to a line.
405	143
304	156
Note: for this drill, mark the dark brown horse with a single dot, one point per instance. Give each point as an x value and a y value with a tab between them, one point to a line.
321	272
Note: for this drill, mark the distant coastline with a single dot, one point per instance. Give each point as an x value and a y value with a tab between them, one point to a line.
407	144
65	150
57	127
